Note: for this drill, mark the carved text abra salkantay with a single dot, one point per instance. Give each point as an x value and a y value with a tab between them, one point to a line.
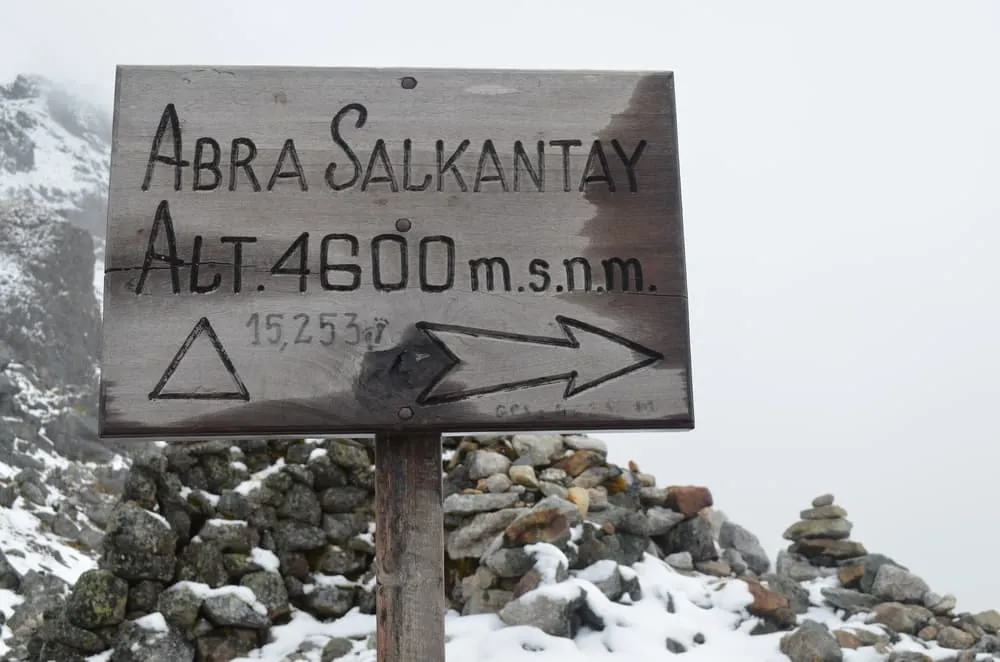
524	166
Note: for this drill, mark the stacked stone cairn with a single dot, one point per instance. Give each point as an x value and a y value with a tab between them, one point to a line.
875	588
213	543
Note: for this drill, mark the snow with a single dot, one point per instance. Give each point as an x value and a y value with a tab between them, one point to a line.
265	559
154	621
253	483
204	591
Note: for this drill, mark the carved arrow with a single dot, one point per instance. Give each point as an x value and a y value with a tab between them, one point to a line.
482	361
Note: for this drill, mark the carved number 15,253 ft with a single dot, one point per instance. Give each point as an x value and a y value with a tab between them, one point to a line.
303	329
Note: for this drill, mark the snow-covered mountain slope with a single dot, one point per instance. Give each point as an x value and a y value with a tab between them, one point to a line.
54	151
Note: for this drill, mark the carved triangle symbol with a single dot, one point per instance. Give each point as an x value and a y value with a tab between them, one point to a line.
202	327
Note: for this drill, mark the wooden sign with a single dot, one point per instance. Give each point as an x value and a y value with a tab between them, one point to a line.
299	251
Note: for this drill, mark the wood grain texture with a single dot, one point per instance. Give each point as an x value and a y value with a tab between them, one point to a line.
329	251
409	548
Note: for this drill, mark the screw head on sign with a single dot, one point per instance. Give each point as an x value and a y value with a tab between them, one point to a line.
408	82
405	413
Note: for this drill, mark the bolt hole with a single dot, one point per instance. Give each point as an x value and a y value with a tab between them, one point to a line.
408	82
403	225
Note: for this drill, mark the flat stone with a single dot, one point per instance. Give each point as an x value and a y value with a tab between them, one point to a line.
904	619
822	500
468	504
954	638
541	449
824	512
486	463
474	538
734	536
523	474
818	528
988	620
849	600
893	584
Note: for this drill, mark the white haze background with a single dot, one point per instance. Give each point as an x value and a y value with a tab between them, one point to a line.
841	186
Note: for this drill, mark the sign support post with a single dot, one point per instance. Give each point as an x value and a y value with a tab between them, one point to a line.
409	547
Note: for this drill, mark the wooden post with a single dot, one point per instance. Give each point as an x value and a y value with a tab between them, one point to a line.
409	548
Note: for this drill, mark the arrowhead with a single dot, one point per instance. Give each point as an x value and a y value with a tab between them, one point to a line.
601	355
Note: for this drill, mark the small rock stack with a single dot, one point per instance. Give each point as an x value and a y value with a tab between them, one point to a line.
875	586
822	535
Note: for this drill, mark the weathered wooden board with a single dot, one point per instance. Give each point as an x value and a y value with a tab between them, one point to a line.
316	251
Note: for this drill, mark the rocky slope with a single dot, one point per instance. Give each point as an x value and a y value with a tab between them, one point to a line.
264	550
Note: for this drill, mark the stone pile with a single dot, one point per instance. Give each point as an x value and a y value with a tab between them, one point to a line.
222	540
876	588
822	535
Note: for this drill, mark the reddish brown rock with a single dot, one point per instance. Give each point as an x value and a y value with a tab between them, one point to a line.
850	575
770	605
546	525
847	639
688	499
579	461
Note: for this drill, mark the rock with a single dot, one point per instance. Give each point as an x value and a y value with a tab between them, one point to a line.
940	605
523	474
908	656
584	443
847	639
693	535
818	528
770	605
469	504
202	562
270	591
142	598
557	616
344	499
139	544
795	566
482	464
893	584
341	527
988	620
338	561
98	600
872	563
849	600
688	500
850	575
822	501
549	525
230	535
734	536
680	561
229	610
735	561
348	454
661	520
474	538
714	568
296	536
540	449
580	497
336	648
509	562
10	578
798	597
498	483
579	461
300	503
553	475
824	512
137	644
329	601
225	645
954	638
811	642
180	606
905	619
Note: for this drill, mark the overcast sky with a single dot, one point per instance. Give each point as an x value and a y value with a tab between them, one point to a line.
841	182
